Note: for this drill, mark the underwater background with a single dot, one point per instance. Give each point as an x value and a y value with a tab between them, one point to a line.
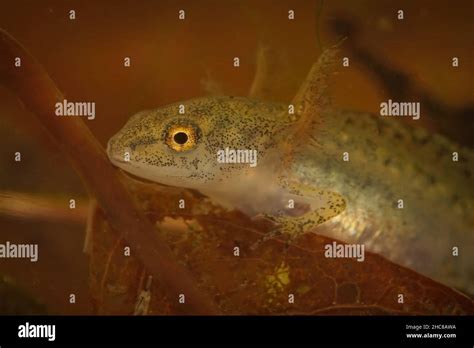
175	60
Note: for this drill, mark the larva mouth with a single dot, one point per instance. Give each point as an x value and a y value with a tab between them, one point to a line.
117	154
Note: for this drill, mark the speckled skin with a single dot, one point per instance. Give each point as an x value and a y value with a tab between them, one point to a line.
232	122
388	161
220	122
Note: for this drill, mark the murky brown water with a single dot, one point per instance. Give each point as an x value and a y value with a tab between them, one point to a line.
170	60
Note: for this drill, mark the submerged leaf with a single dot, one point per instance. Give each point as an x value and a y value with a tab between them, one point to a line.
274	279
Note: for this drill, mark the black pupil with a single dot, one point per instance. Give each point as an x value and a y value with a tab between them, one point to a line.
180	138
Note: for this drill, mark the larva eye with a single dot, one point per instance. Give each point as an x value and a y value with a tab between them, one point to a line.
181	138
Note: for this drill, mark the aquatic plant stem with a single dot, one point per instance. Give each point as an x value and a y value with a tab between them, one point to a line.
39	94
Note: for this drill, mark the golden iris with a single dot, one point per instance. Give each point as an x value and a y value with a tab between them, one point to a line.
181	138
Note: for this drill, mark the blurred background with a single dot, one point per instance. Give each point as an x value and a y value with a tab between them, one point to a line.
174	60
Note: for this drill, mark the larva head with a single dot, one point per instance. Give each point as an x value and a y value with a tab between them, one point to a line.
188	144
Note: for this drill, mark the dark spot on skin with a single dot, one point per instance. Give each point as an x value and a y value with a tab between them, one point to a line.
195	163
184	160
142	141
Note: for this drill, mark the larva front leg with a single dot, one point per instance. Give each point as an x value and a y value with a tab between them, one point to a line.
320	206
